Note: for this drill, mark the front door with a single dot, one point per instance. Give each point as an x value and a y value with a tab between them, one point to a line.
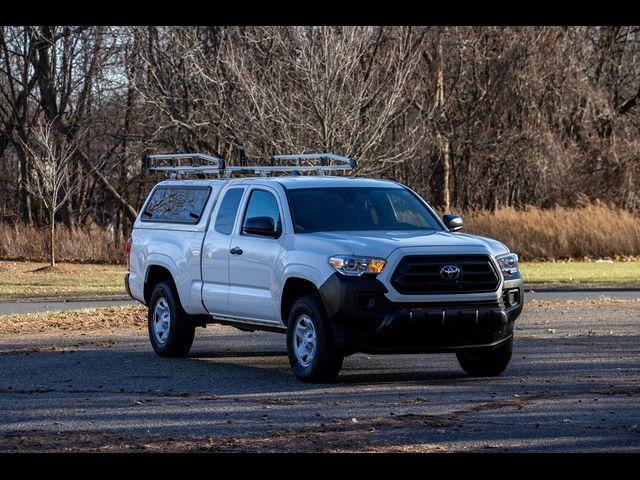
253	269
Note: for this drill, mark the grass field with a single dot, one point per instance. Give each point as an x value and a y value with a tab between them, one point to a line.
26	280
22	280
582	273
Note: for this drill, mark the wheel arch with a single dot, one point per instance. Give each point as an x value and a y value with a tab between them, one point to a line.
155	274
295	288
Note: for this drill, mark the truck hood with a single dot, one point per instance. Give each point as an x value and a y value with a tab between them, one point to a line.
383	243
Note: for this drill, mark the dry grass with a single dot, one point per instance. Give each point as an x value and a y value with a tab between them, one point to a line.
84	245
593	231
20	280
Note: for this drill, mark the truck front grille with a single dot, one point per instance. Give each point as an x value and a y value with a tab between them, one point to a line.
425	274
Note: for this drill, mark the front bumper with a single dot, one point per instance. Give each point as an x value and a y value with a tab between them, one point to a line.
364	320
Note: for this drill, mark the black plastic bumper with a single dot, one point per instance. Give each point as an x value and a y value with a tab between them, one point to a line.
364	320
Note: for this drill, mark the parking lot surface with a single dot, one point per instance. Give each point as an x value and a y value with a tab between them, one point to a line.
573	385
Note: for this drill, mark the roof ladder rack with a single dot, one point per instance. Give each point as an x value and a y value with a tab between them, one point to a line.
158	163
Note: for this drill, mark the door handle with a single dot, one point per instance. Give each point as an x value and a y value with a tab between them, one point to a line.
235	251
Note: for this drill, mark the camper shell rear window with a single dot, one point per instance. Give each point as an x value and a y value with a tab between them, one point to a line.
176	204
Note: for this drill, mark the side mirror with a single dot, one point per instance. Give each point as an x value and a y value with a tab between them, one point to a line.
262	226
453	222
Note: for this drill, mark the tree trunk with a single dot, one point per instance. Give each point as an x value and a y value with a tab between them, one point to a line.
52	260
443	141
25	197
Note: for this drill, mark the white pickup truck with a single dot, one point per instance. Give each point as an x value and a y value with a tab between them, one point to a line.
340	264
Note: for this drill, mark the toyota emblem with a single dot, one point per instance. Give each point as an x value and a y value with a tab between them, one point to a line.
450	272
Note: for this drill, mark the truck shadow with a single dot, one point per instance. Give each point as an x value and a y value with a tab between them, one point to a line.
346	376
261	366
236	354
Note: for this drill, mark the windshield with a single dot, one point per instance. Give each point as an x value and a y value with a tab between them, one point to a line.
358	208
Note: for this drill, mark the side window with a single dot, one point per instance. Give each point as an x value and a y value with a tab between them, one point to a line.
176	205
263	204
228	209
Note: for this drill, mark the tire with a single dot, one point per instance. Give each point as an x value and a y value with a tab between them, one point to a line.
170	329
318	360
486	362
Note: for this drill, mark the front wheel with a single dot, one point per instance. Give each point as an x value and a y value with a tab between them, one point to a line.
312	354
486	362
170	330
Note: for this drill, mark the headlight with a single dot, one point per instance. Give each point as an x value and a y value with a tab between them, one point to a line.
356	266
508	263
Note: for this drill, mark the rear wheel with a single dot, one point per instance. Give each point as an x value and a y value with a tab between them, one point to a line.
171	331
312	354
486	362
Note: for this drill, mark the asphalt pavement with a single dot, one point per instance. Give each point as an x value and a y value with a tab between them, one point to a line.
583	294
573	385
8	308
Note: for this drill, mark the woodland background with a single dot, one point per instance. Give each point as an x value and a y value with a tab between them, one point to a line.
533	133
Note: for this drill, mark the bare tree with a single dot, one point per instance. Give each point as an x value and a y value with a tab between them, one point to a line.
340	89
471	117
51	158
17	84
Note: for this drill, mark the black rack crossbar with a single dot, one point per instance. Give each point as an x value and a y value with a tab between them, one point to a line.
171	163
